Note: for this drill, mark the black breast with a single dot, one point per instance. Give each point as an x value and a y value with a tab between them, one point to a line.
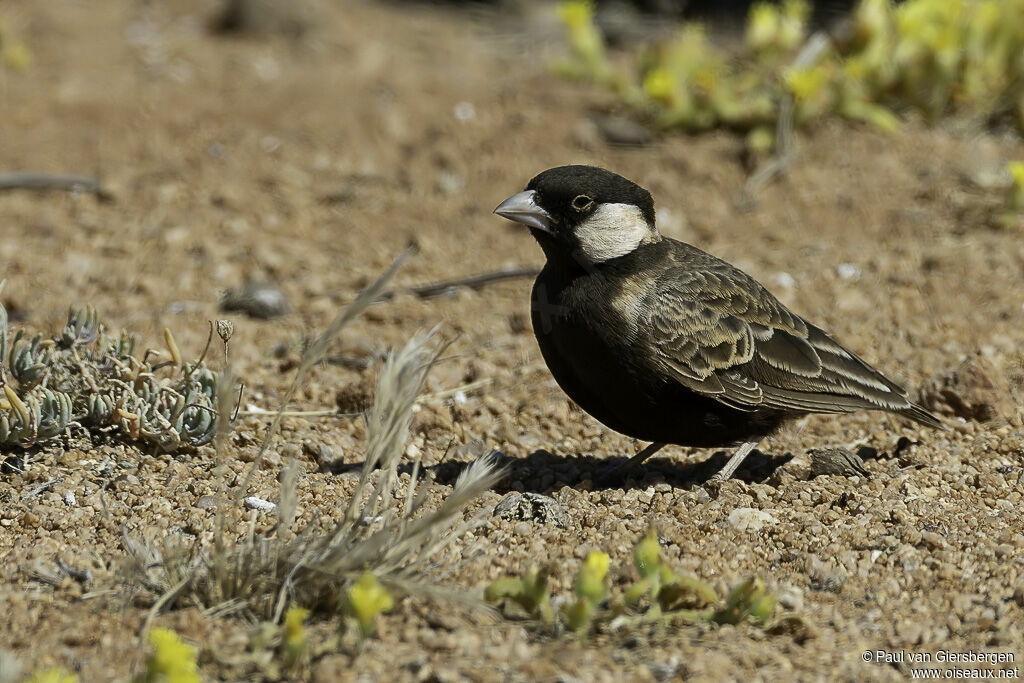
591	349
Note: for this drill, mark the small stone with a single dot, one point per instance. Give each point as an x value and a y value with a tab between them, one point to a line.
257	299
985	168
13	464
210	501
665	670
126	480
933	540
977	390
825	461
448	182
519	323
750	519
619	130
69	499
255	503
837	461
328	456
532	507
909	632
848	271
1018	595
357	396
790	598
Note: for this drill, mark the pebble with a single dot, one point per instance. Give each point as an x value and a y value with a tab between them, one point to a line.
12	464
256	298
933	540
210	501
619	130
977	390
790	598
535	507
750	519
255	503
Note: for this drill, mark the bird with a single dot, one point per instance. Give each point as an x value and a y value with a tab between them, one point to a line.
665	343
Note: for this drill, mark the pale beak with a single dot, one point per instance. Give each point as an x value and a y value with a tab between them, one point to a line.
523	208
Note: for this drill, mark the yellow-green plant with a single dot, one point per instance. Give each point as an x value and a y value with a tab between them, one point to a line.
530	592
747	602
939	57
54	675
14	54
1011	213
295	644
667	591
659	595
588	59
366	600
591	588
172	660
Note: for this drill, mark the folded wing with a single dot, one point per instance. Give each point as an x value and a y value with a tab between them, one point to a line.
722	334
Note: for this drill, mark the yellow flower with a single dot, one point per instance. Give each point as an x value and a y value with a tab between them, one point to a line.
172	661
806	83
591	582
18	57
658	85
366	600
54	675
294	643
1017	173
762	26
647	554
576	13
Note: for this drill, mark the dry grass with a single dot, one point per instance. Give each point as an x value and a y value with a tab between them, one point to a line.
384	531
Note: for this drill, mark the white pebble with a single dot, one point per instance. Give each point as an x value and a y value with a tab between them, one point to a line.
465	111
69	499
750	519
848	271
254	503
785	280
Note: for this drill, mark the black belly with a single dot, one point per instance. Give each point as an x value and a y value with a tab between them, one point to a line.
611	383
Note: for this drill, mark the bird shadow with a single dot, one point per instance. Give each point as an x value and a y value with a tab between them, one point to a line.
543	472
553	471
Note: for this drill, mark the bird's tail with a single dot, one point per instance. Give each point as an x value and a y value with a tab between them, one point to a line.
919	414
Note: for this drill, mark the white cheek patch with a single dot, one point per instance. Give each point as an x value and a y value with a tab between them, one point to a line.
613	230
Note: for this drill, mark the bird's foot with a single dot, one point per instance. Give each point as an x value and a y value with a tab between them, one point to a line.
735	461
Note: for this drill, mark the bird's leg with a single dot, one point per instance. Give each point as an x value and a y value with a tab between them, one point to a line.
735	461
633	462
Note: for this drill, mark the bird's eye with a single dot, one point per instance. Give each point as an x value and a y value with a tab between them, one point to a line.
582	202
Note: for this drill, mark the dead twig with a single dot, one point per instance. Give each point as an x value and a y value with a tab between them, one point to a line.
35	491
82	576
446	287
809	55
24	180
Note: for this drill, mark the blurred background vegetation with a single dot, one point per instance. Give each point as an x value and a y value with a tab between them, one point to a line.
937	59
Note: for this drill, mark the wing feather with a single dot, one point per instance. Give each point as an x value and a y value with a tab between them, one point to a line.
720	333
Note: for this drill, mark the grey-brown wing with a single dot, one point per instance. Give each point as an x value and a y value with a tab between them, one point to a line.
720	333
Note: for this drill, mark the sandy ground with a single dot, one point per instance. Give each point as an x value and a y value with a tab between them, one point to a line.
313	162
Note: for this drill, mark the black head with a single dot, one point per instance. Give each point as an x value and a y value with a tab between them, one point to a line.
571	193
584	210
